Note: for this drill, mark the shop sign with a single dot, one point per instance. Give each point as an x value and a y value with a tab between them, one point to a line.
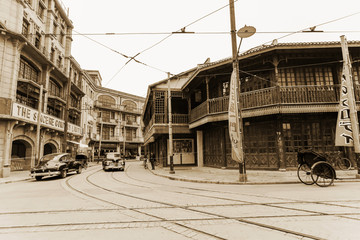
31	115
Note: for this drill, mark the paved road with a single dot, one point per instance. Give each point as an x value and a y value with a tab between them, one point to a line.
136	204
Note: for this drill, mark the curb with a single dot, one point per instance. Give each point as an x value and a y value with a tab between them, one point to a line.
239	183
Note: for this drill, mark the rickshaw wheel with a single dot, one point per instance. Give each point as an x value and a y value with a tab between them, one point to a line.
323	174
304	174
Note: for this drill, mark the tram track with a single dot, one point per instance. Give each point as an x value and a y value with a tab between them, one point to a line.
216	216
178	225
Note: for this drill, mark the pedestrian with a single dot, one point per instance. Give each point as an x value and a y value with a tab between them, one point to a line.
152	161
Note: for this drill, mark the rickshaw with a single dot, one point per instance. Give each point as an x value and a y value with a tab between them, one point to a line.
314	168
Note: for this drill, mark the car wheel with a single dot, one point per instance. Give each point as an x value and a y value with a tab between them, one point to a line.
38	178
63	173
79	170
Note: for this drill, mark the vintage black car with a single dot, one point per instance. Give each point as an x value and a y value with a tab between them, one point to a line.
113	161
55	164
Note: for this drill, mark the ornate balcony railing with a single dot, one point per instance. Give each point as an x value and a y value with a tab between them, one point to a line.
293	95
273	96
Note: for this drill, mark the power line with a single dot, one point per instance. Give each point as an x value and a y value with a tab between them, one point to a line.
199	33
168	36
312	29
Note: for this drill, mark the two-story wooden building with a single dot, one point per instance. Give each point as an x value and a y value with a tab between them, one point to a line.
289	100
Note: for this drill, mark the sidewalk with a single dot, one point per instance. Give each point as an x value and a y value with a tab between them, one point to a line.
231	176
214	175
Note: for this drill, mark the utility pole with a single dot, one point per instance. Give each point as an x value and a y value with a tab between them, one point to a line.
171	154
242	170
66	117
100	137
38	126
124	140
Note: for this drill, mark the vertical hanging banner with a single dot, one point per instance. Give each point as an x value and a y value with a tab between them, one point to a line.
344	133
234	124
347	126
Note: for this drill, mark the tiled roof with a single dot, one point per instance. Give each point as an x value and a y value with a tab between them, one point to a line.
268	47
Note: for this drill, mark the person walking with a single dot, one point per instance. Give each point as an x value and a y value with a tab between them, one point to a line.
152	161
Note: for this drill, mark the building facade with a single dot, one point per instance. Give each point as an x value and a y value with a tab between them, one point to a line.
47	102
289	100
117	121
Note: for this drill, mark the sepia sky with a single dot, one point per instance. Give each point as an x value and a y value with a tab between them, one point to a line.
108	33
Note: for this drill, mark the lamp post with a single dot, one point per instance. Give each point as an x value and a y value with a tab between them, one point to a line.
171	154
244	32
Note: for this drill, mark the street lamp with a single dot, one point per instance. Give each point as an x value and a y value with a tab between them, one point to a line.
235	119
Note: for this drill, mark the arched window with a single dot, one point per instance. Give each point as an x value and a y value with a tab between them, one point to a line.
129	105
106	100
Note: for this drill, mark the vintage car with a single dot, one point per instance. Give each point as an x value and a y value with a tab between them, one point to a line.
113	161
55	164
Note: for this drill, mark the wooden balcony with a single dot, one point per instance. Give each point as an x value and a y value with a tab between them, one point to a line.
158	124
273	97
294	99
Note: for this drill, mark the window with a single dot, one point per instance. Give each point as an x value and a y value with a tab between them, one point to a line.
55	29
61	40
27	94
25	28
75	103
53	108
54	88
356	72
41	10
129	105
59	62
106	100
306	76
52	54
28	71
225	89
159	102
37	40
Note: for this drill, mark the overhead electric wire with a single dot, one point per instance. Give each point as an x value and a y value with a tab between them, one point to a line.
157	43
315	26
170	34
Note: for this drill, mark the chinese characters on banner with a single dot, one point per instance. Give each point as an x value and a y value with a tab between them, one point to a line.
234	124
347	129
344	133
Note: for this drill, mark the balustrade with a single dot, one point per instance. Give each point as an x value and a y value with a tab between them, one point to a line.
261	98
272	96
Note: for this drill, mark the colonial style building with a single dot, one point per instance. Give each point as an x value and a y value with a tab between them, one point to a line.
289	100
36	82
47	102
118	121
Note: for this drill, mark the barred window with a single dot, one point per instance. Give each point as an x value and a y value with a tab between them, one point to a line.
28	71
54	88
159	102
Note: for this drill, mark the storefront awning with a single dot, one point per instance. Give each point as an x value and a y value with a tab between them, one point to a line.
80	144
